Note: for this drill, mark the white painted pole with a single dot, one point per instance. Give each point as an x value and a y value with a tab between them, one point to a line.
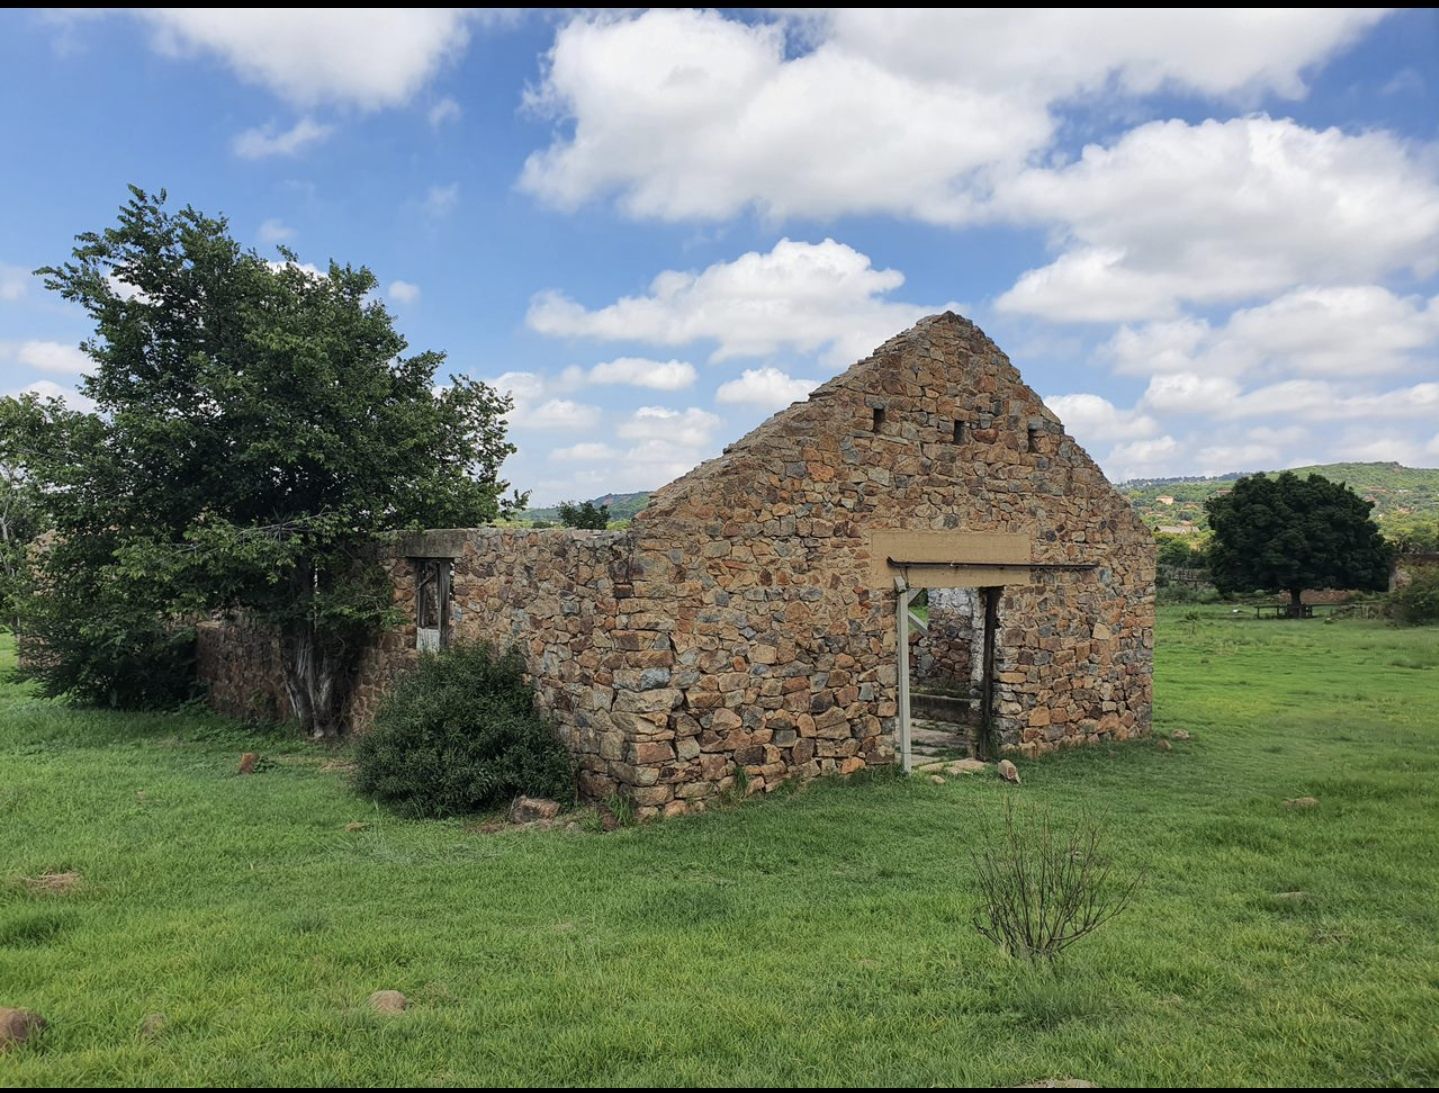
906	758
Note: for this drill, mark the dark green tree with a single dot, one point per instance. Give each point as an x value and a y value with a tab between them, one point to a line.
20	513
260	427
586	515
1286	534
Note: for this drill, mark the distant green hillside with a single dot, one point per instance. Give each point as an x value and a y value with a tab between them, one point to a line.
622	507
1398	492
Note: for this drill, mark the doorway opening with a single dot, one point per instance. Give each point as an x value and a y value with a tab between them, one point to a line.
946	703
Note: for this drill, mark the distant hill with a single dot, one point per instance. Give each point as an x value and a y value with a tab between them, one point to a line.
622	507
1397	492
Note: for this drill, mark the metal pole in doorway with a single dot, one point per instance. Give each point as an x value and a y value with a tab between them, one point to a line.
901	622
987	744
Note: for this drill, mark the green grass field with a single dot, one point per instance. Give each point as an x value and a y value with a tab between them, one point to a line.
816	937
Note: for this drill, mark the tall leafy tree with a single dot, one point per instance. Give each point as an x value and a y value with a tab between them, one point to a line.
20	513
1286	534
260	426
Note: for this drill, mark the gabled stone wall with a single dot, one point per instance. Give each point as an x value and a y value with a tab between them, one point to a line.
739	623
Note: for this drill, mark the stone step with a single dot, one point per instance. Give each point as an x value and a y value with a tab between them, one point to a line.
947	708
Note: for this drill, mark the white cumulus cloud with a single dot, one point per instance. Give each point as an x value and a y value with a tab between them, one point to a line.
403	292
669	375
1325	400
266	140
365	57
587	452
691	428
50	357
1092	418
274	231
810	297
1189	393
559	413
47	389
1383	449
767	388
1344	330
440	201
446	110
14	282
1144	459
536	406
684	114
1221	211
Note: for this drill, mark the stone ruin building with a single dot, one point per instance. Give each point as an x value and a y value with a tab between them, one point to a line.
766	611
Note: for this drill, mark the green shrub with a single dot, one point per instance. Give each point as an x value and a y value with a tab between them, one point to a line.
460	734
1417	603
96	647
1043	886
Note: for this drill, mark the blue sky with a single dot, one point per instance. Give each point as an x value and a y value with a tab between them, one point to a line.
1210	240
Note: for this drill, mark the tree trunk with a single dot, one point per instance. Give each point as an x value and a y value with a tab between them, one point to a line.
1296	603
319	670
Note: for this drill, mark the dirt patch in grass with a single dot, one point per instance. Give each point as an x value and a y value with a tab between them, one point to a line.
52	884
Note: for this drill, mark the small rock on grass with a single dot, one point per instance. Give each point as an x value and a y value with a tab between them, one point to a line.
18	1026
1008	771
1301	802
248	762
388	1002
529	809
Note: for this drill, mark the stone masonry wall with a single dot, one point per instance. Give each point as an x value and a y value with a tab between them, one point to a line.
947	653
738	623
240	666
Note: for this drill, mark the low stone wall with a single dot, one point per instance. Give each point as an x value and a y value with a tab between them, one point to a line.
240	667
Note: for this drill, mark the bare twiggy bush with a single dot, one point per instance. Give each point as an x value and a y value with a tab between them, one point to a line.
1042	890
